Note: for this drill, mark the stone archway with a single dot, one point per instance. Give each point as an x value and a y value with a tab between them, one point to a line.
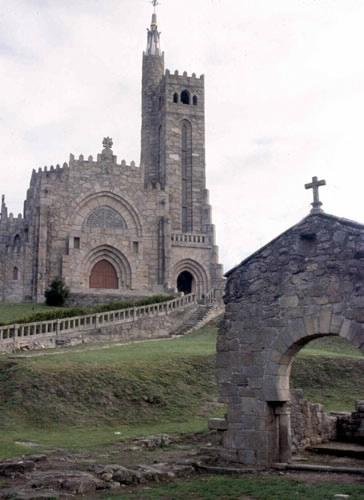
111	263
200	281
305	284
185	282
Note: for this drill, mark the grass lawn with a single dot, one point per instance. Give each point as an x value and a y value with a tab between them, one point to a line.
246	487
91	397
11	313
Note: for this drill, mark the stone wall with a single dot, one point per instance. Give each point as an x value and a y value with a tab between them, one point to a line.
309	422
350	427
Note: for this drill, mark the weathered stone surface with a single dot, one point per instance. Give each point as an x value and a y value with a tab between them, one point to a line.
350	427
305	284
12	468
77	482
310	423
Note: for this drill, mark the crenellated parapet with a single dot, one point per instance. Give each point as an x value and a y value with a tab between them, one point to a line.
184	78
43	172
106	157
81	162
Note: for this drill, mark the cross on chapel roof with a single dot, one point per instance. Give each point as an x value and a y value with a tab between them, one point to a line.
314	185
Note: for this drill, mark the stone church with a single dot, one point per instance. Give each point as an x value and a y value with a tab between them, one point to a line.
110	228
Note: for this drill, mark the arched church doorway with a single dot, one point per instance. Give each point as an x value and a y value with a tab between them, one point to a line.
185	282
103	275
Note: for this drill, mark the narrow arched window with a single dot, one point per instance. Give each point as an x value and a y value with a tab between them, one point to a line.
160	174
175	98
185	97
194	100
15	273
17	243
186	155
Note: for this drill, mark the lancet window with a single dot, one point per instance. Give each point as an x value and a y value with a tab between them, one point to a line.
187	209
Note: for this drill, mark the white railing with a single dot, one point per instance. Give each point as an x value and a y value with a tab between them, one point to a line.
190	239
11	333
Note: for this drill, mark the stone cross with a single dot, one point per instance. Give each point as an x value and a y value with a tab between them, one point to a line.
107	143
315	184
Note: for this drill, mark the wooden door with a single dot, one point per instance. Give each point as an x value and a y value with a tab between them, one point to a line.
103	275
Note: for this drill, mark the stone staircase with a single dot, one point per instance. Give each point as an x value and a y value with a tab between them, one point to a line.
203	314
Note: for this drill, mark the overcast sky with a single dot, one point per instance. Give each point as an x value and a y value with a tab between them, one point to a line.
284	99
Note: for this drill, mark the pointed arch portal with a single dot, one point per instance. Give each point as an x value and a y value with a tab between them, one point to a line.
103	275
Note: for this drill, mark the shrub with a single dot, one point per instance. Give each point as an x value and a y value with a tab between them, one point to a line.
57	293
81	311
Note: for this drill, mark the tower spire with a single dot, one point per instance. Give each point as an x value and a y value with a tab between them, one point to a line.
153	47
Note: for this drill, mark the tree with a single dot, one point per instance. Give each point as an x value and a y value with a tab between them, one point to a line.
57	293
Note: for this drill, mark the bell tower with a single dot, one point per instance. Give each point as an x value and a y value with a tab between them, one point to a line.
152	76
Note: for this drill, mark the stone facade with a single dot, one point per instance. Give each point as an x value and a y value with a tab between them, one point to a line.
149	225
305	284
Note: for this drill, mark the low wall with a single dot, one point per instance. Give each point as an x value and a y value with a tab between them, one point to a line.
135	323
310	424
350	426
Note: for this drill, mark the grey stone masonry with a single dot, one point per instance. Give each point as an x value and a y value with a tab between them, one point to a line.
305	284
105	225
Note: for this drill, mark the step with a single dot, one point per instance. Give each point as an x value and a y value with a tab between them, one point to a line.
339	449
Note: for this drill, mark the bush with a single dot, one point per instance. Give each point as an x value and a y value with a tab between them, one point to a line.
57	293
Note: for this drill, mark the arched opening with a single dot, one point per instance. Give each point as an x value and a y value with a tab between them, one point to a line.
17	243
185	97
15	273
175	98
185	282
194	100
103	275
200	283
318	374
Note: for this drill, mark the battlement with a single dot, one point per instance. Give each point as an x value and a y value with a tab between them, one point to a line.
80	162
12	218
49	170
184	78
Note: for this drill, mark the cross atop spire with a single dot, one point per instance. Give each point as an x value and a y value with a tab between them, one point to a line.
153	33
314	185
155	3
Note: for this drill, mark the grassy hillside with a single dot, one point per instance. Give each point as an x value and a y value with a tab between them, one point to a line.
95	396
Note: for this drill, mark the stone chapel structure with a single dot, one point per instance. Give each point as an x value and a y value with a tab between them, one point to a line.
305	284
111	228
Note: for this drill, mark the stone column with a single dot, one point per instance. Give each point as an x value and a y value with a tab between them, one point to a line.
283	414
